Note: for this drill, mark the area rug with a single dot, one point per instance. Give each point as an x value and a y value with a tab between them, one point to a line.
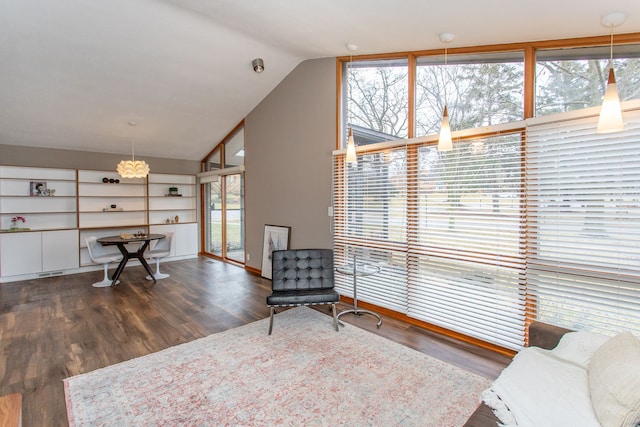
304	374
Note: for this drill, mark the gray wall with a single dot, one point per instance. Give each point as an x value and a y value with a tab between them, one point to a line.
289	138
13	155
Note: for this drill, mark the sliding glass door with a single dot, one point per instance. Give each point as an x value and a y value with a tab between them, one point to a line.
214	229
234	217
223	205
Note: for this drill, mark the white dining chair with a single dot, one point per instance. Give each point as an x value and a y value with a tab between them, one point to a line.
101	255
161	249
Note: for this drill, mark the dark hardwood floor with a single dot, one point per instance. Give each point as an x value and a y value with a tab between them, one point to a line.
57	327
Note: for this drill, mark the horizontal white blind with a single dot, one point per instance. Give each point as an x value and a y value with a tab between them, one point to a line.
583	196
370	223
466	250
445	230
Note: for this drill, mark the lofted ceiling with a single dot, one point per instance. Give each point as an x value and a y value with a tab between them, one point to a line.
73	73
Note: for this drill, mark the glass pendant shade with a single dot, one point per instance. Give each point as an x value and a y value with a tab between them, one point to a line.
610	113
445	143
133	169
351	149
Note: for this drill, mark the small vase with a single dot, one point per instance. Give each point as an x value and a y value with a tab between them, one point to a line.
14	225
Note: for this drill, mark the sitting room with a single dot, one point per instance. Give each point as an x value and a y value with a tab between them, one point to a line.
241	213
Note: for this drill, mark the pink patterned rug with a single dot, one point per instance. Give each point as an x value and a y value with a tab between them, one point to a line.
304	374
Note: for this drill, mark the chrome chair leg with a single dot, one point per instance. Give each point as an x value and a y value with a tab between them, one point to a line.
273	310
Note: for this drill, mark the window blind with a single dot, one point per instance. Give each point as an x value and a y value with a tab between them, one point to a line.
445	229
583	252
466	252
370	224
492	235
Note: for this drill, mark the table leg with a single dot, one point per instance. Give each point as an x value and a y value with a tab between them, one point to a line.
140	256
356	311
125	257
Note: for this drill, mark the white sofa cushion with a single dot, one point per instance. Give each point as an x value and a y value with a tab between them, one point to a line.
578	347
540	389
614	381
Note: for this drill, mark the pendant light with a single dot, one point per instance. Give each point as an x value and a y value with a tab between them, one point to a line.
133	168
351	149
444	142
351	145
611	113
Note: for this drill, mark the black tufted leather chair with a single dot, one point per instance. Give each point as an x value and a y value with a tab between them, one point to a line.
302	277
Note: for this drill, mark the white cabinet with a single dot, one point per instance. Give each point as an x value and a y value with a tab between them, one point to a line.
36	252
20	253
59	250
185	238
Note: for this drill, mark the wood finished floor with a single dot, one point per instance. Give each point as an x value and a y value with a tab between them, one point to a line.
58	327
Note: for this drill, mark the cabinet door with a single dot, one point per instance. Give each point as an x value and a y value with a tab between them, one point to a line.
59	250
186	239
164	229
20	253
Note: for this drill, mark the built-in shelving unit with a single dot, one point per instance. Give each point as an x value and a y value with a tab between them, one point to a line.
87	203
47	242
172	197
172	208
45	212
118	202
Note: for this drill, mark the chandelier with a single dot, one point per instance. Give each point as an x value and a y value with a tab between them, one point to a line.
133	168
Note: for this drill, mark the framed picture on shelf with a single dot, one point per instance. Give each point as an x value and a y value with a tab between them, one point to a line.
38	188
276	237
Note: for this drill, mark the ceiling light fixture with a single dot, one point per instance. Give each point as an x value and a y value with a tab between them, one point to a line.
133	168
351	145
611	113
444	142
258	65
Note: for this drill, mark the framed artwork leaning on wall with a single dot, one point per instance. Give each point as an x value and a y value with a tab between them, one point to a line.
276	237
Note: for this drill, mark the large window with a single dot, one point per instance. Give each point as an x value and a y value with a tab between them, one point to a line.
584	204
473	241
376	98
481	90
389	99
502	230
445	230
571	79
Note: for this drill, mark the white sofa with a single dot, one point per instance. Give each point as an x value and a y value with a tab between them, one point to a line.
587	380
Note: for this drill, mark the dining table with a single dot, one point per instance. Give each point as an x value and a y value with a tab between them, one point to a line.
121	241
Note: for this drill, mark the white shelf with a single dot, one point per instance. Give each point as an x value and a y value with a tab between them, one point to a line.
94	196
163	208
41	212
37	174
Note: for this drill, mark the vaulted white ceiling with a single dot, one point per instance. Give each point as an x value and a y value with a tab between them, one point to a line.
73	73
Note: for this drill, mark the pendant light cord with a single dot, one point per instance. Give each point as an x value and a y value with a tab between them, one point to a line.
133	143
611	48
444	83
349	91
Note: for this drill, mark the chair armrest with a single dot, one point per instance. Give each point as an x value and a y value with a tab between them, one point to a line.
545	336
